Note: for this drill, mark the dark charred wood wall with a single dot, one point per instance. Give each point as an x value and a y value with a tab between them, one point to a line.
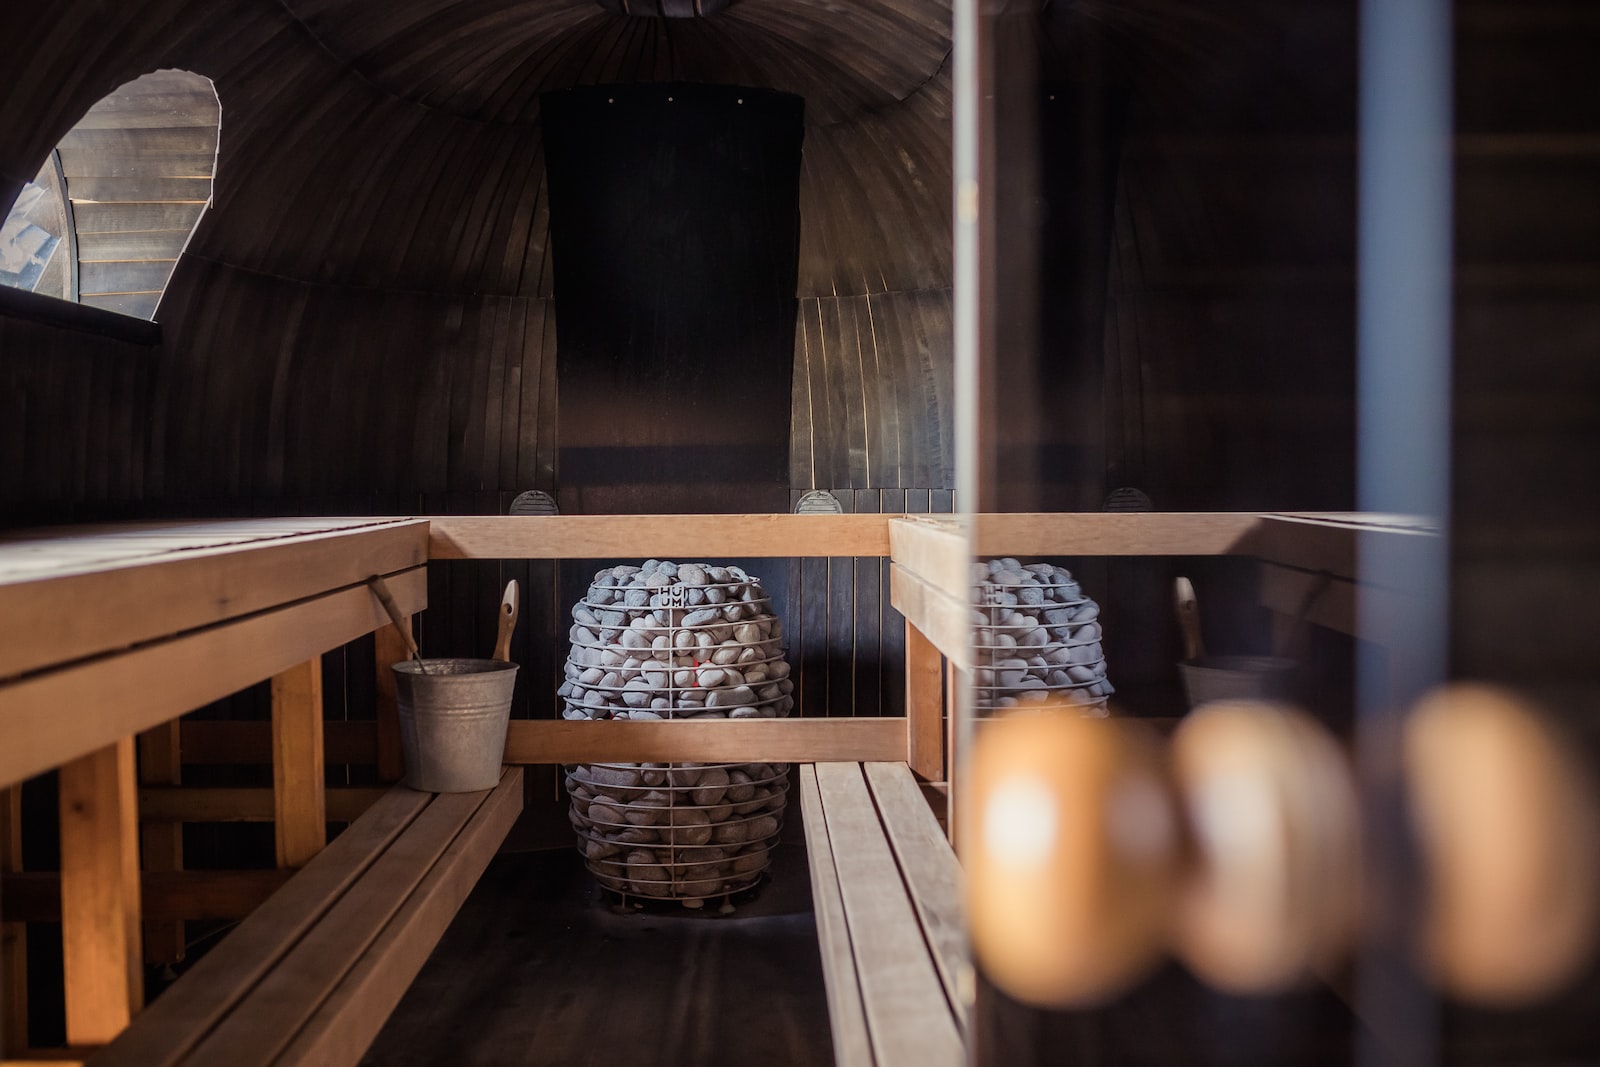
1229	357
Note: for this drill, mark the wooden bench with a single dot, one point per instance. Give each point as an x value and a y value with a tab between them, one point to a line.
311	975
886	890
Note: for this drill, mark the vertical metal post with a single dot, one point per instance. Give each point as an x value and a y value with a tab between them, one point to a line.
1403	463
973	280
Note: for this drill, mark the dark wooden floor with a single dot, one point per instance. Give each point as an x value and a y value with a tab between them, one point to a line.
537	969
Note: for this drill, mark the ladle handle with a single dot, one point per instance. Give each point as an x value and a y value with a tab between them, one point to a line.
380	589
508	621
1188	619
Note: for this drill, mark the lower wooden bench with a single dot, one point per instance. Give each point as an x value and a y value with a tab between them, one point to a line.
886	889
311	976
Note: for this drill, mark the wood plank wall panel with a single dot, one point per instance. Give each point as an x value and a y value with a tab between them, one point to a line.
846	643
874	392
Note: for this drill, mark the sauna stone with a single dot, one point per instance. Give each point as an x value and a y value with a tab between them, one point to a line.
1036	637
676	641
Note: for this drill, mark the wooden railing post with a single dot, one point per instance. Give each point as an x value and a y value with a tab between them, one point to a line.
924	706
952	687
103	965
391	649
161	764
13	936
299	800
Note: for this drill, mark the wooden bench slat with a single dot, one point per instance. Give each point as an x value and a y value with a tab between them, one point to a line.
172	1025
80	594
257	1030
852	1047
348	1021
907	1014
931	873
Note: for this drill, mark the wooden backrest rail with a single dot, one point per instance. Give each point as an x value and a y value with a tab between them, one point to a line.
110	697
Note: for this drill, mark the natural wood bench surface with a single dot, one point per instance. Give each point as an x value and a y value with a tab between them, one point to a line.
886	889
311	975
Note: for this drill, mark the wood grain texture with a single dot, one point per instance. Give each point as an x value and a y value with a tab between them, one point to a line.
924	706
13	935
873	391
932	877
288	995
160	846
604	536
171	1026
942	619
121	695
852	1046
936	550
300	816
346	1023
742	740
907	1014
100	917
86	591
1114	534
391	648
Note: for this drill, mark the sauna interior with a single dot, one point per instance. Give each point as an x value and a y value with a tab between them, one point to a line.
1082	517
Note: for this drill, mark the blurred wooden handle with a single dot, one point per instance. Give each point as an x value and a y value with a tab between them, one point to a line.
509	607
1271	897
1072	856
1188	618
1508	822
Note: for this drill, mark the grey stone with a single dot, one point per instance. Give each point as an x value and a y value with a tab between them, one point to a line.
703	617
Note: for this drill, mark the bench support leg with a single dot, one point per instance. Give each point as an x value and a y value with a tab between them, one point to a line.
299	800
100	893
13	936
391	649
161	764
924	706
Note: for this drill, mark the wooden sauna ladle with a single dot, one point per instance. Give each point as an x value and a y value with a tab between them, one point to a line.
1188	619
507	622
380	589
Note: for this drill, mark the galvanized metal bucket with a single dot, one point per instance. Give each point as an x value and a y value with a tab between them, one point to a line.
1239	678
453	722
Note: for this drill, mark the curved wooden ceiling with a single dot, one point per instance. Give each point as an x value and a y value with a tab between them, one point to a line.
489	60
394	143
